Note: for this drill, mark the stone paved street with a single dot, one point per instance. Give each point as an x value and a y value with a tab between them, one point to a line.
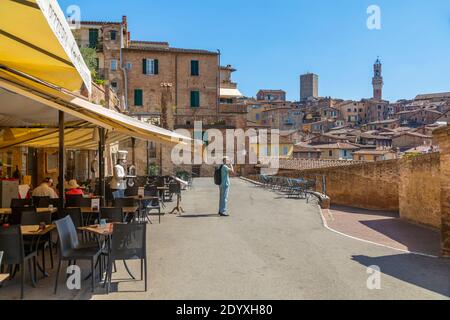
271	248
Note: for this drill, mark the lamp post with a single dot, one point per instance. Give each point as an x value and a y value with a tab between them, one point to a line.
166	115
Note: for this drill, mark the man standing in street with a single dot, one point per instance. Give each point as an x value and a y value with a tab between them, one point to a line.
225	170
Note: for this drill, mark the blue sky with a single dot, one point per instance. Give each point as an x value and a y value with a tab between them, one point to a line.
272	42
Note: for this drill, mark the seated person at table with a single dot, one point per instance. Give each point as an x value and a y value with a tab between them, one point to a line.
73	188
45	189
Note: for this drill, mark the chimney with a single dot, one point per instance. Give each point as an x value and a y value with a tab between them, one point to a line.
124	20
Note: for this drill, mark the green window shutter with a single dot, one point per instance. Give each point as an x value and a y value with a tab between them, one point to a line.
144	66
156	66
195	99
138	99
93	38
198	99
195	68
192	98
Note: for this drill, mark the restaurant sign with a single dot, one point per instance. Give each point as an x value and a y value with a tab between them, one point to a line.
58	23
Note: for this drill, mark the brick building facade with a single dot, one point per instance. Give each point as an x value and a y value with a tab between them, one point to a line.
166	86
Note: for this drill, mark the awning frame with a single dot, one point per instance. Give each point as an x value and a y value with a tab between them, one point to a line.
97	115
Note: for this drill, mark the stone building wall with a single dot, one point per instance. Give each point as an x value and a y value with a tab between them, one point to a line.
441	137
410	186
419	190
370	185
174	68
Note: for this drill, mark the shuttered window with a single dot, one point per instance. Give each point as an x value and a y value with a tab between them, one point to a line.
195	99
195	71
93	38
138	97
113	65
150	66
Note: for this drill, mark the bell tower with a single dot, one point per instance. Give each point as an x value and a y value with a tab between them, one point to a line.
377	80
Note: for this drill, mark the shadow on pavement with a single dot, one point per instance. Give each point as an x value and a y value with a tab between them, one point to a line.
429	273
415	238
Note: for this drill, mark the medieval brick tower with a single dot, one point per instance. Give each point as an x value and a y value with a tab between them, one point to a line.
377	80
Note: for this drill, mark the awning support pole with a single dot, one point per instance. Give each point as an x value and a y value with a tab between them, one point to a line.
61	156
148	160
133	151
101	164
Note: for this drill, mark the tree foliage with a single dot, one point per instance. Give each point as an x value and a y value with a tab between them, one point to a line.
90	57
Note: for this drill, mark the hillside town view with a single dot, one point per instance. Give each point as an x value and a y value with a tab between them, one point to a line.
133	169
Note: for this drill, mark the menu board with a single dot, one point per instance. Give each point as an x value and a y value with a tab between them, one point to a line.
95	204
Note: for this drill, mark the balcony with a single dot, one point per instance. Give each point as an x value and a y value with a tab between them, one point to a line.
233	108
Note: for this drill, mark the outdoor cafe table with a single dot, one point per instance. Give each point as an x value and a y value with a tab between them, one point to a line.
3	277
126	210
90	211
36	234
162	192
35	231
8	211
140	200
105	232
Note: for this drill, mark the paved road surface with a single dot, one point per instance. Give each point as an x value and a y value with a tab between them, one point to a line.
271	248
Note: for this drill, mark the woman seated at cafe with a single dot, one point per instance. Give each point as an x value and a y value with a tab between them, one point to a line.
73	188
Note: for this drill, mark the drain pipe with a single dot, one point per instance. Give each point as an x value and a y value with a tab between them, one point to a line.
124	70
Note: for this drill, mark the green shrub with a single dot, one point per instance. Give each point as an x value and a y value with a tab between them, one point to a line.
152	170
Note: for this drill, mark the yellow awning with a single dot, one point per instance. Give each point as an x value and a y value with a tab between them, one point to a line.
36	39
37	103
77	138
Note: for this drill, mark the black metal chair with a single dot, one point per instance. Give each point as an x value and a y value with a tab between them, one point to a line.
127	202
72	250
55	204
21	203
12	244
128	242
124	202
32	218
41	202
131	191
112	215
160	182
74	201
85	202
79	221
153	204
76	215
16	214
